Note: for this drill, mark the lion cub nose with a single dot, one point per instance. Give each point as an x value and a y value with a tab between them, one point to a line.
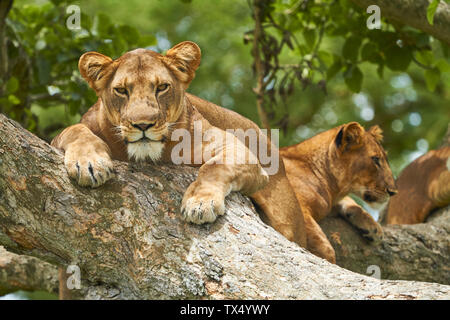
143	126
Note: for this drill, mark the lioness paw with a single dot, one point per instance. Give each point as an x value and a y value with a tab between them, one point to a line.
90	170
201	206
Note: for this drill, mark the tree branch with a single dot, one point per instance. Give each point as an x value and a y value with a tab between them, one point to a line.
129	242
259	66
419	252
414	14
18	272
5	7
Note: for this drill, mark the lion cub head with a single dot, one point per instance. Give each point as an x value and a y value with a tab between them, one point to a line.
363	159
142	93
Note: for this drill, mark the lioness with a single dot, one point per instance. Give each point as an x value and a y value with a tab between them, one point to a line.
424	185
141	101
324	169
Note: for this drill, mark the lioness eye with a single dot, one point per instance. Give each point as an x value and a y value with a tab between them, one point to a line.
376	160
121	91
162	87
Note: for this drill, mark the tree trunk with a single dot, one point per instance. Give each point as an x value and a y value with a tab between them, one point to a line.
128	241
418	252
414	14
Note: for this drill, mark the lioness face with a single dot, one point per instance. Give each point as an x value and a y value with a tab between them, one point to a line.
143	93
366	160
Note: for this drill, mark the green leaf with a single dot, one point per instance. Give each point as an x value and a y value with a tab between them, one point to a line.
13	99
353	78
431	10
369	52
325	57
443	65
425	57
398	59
350	50
432	78
334	69
12	85
310	37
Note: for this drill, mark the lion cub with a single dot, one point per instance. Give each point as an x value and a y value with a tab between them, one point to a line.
324	169
424	185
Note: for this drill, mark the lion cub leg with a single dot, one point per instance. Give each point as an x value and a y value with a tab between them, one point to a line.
317	242
360	219
204	199
86	156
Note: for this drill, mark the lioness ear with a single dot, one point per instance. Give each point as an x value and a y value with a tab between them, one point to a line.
183	59
92	66
376	132
350	136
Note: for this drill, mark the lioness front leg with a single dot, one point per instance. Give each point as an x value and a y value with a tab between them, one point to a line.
86	156
360	219
204	199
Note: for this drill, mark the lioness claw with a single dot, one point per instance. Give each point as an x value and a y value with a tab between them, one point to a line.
201	210
89	171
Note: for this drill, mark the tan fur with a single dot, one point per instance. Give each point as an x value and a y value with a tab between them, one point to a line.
324	169
120	117
423	186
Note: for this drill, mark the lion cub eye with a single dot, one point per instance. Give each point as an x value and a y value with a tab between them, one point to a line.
162	87
376	160
121	91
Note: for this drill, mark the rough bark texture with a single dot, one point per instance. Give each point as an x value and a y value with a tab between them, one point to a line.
414	14
128	240
19	272
408	252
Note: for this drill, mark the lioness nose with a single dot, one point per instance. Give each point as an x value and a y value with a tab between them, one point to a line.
392	192
143	126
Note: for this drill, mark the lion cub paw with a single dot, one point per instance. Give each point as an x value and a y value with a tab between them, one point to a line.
88	166
364	223
201	205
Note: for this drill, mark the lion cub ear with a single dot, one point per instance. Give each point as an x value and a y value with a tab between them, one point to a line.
183	59
350	136
93	66
376	132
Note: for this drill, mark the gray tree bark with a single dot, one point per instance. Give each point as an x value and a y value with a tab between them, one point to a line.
418	252
414	14
129	243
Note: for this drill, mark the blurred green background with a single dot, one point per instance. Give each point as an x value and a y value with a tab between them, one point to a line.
413	117
410	101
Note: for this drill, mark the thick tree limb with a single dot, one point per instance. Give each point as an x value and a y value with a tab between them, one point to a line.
128	240
408	252
19	272
414	14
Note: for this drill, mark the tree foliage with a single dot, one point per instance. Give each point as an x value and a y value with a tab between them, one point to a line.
296	53
322	65
42	59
